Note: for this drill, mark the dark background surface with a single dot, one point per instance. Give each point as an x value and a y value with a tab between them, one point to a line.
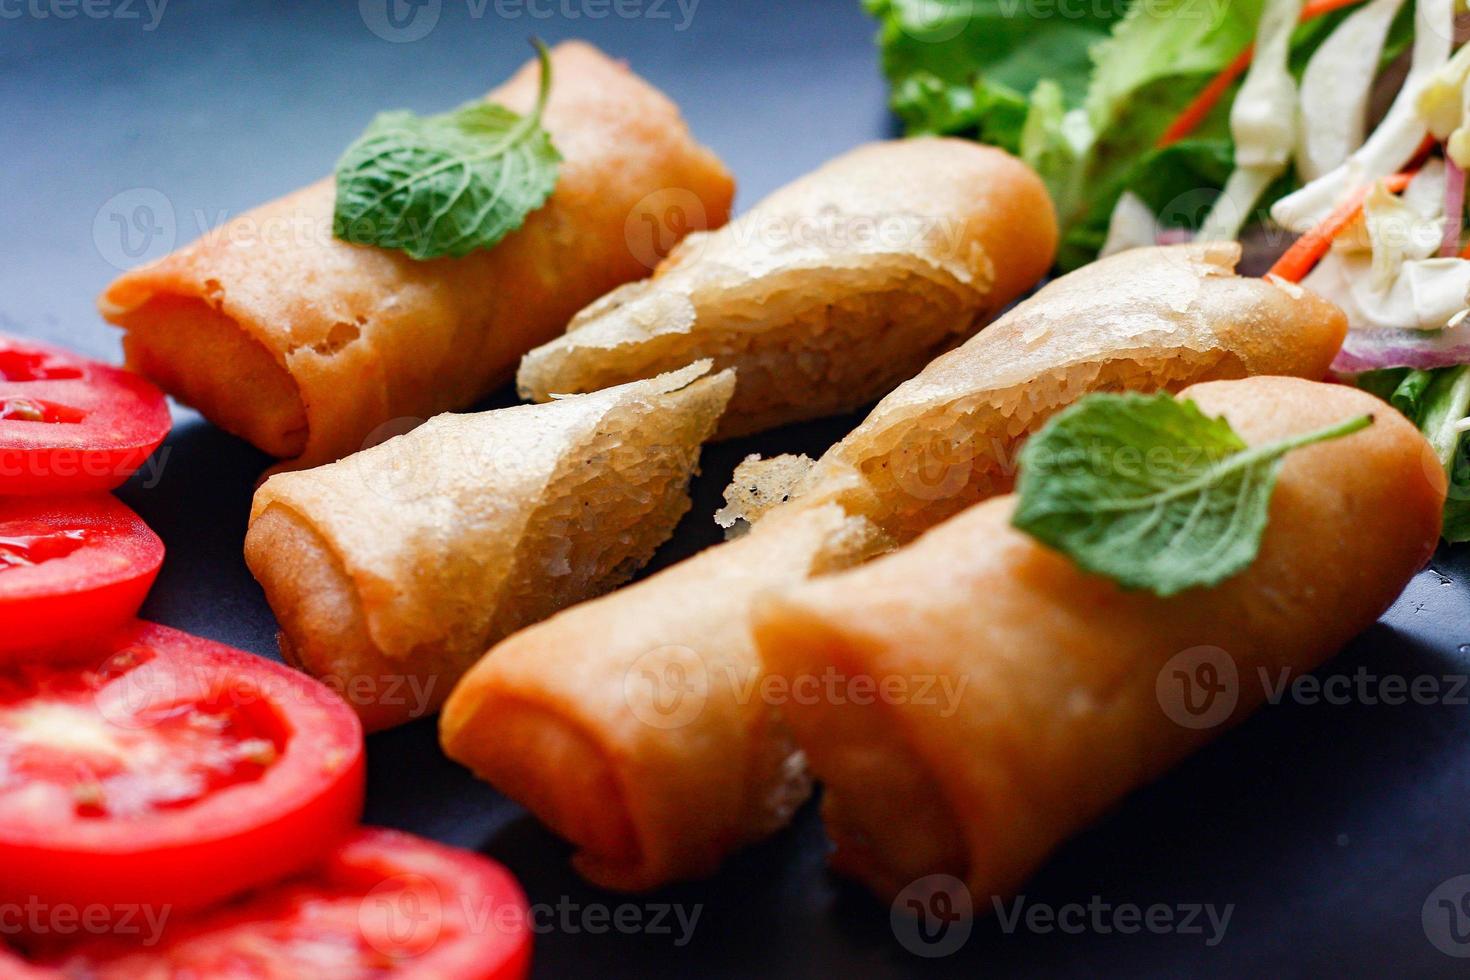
1326	826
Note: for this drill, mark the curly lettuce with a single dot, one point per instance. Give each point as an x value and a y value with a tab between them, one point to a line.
1083	92
968	67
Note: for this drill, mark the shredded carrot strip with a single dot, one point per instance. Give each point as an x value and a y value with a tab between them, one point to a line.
1204	103
1194	113
1465	252
1316	8
1308	250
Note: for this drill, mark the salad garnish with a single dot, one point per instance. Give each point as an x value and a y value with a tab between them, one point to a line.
1331	136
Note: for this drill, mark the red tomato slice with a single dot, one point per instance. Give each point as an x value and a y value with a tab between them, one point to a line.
159	770
12	967
72	425
71	568
384	905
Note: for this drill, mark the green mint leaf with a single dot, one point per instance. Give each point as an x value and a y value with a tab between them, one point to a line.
446	184
1151	492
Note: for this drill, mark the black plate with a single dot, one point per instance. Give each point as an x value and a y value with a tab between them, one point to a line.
1325	827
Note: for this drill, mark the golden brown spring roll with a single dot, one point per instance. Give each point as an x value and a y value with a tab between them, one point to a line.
1149	319
304	344
830	291
557	716
393	570
625	723
1044	706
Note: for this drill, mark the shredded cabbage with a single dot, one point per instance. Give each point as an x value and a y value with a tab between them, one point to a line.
1395	140
1335	89
1427	294
1404	228
1444	105
1262	123
1132	225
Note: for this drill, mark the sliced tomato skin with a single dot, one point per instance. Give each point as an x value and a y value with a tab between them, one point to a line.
88	592
232	840
14	967
123	418
463	917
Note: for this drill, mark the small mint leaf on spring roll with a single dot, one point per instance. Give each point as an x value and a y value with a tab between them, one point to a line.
1151	492
446	184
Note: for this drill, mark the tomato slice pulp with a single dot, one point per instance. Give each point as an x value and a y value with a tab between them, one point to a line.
72	425
383	905
162	771
70	568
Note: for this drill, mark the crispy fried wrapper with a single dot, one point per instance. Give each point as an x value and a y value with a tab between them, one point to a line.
409	560
636	725
827	293
1026	697
305	345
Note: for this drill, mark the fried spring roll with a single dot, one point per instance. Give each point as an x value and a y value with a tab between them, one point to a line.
830	291
303	344
1146	320
393	570
1053	712
558	715
626	723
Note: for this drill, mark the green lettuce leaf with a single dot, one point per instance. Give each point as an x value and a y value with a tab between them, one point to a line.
1156	62
1435	401
969	66
1151	67
1457	503
1083	98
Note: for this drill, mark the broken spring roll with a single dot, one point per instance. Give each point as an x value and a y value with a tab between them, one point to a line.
647	803
393	570
827	293
304	344
1054	676
1150	319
